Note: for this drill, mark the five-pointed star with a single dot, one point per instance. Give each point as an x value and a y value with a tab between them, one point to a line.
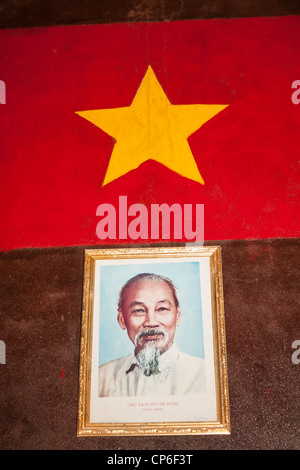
152	128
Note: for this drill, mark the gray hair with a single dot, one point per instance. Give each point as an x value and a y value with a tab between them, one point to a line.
147	277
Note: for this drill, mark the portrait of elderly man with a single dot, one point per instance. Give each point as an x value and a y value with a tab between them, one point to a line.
149	311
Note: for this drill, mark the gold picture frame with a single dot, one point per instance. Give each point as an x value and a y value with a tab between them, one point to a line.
118	413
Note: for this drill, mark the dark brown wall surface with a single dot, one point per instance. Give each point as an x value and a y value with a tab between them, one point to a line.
27	13
40	304
41	295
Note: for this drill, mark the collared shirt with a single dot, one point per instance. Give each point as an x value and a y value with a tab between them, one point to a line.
179	374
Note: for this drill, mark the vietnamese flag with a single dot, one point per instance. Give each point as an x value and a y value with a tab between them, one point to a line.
243	159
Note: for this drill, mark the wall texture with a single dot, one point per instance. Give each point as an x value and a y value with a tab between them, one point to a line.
40	302
28	13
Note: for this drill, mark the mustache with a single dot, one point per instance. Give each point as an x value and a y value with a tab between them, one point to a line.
149	332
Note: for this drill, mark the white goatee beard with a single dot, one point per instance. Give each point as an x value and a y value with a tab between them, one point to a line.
147	357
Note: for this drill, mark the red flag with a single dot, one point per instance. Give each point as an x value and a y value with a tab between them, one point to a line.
53	161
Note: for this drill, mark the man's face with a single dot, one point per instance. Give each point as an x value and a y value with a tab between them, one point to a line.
149	310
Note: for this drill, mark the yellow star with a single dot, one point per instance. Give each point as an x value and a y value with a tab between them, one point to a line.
152	128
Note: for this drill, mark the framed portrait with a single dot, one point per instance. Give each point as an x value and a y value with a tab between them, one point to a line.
153	347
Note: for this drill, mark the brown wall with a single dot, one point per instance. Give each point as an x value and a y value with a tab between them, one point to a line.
27	13
40	304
